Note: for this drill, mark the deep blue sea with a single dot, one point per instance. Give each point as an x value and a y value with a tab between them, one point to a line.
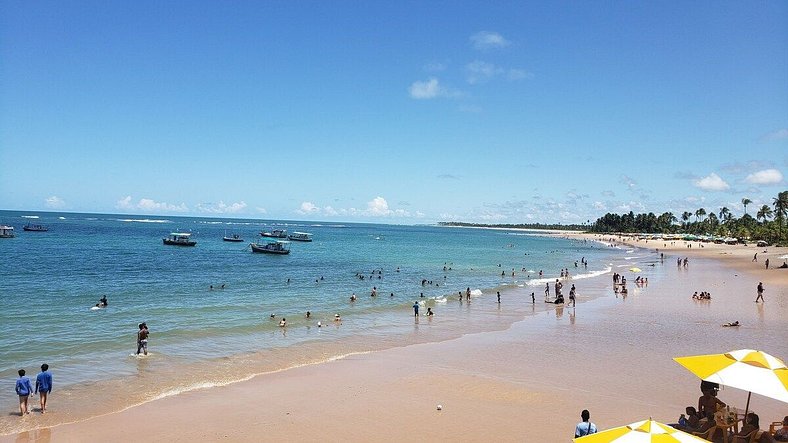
50	280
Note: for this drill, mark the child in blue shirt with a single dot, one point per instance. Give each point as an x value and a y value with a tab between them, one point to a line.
23	390
44	386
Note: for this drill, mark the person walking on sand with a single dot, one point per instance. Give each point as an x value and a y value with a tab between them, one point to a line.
142	339
23	390
44	386
499	296
755	257
760	293
767	263
585	427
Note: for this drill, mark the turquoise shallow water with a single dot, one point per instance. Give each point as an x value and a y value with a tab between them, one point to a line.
49	280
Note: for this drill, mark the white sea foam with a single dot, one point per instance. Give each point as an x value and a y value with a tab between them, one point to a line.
61	218
219	383
142	220
30	216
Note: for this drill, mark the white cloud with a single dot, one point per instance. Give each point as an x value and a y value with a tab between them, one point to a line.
488	40
629	181
261	210
712	182
148	205
377	207
479	71
435	67
600	206
221	207
765	177
54	202
308	208
780	134
424	90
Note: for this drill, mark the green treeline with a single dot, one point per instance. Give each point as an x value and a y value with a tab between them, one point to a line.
518	226
769	223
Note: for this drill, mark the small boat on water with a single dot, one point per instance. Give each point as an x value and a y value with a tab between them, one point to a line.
233	238
35	228
275	247
276	233
300	236
6	231
179	239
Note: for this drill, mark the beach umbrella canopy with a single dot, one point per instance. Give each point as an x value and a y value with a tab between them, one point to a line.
635	269
746	369
641	432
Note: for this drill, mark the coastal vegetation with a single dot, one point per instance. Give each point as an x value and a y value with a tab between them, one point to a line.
552	226
769	223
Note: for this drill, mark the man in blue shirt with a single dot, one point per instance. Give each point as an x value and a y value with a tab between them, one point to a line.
44	386
585	427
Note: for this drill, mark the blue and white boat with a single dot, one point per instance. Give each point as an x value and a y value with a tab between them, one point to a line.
300	236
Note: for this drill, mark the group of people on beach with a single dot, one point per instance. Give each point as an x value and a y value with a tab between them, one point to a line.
702	296
24	389
711	411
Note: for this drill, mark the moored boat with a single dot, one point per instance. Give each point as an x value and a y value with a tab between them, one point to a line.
35	228
275	247
179	239
233	238
6	231
300	236
276	233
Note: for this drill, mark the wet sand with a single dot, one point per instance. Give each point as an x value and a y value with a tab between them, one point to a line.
611	355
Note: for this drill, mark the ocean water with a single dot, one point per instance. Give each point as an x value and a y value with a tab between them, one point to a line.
203	337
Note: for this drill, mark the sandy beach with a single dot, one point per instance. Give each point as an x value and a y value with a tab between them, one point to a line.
611	355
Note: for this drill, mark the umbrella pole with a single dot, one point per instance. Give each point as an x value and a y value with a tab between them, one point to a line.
747	408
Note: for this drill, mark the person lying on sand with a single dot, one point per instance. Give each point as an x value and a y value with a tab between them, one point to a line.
731	324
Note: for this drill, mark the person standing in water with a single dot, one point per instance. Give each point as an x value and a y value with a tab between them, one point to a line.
142	339
44	386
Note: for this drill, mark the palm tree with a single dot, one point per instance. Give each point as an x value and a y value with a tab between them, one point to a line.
723	212
745	201
764	213
700	213
781	209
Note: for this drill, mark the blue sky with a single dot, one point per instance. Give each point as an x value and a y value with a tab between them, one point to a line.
399	112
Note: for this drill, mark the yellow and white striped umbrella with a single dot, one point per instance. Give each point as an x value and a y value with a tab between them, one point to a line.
641	432
745	369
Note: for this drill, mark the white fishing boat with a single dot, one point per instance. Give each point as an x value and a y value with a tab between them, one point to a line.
280	247
6	231
179	239
300	236
232	238
276	233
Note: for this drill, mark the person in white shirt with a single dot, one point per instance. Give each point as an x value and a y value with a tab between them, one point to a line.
585	427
